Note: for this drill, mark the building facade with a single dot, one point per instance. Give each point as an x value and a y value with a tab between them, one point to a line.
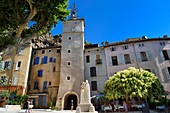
55	73
95	68
14	68
149	54
43	82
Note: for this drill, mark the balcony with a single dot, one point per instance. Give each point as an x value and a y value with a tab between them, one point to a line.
98	61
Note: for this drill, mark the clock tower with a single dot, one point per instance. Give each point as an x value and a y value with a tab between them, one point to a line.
72	61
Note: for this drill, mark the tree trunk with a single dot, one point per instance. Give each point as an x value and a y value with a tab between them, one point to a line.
128	104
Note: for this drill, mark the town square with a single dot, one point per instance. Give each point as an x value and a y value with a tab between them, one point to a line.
70	56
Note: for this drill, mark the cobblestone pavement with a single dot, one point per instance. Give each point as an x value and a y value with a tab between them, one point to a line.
3	110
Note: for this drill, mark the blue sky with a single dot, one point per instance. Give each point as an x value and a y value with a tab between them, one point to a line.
116	20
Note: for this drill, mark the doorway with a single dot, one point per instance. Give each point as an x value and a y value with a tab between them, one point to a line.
67	101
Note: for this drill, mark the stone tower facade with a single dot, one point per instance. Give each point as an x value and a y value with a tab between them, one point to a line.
72	63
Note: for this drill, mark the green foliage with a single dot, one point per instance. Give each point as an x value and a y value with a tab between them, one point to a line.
16	99
2	82
4	94
50	104
130	83
17	14
156	90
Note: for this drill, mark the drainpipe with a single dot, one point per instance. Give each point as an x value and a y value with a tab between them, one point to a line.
135	55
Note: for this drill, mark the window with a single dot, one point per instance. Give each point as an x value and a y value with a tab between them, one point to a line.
69	51
168	76
49	84
69	38
141	45
44	60
143	56
54	59
162	43
7	65
58	50
93	71
45	85
113	48
94	85
34	52
125	47
36	85
21	50
68	63
4	80
36	60
165	54
148	70
53	69
42	100
68	77
87	59
40	73
51	59
98	60
127	59
18	65
114	60
43	51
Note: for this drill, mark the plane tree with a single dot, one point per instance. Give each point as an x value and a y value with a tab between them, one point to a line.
131	83
40	15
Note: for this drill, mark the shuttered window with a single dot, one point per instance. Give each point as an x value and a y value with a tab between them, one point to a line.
36	60
93	71
40	73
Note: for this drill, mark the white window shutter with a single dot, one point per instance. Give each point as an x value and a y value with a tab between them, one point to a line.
121	59
110	60
149	55
162	56
139	57
2	64
9	65
6	80
15	80
132	58
167	73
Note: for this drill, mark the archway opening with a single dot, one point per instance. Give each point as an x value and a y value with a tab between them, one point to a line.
67	101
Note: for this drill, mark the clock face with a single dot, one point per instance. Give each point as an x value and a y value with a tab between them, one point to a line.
73	29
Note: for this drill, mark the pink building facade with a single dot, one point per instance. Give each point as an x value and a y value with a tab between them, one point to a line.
149	54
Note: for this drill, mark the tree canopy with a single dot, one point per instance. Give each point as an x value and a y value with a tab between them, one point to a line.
132	83
17	14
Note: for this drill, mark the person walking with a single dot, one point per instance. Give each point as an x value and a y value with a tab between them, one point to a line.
28	106
31	106
72	107
125	106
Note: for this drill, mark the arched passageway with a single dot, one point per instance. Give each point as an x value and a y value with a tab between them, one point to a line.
67	101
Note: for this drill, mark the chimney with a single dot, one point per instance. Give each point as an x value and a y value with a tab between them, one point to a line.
165	36
102	43
106	43
144	37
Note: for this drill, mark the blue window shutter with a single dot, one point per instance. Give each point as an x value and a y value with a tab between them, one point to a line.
40	73
45	59
51	59
45	85
36	61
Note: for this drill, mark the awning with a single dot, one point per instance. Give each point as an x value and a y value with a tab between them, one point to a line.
166	92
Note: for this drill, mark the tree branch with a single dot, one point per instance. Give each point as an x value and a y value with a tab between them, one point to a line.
22	26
